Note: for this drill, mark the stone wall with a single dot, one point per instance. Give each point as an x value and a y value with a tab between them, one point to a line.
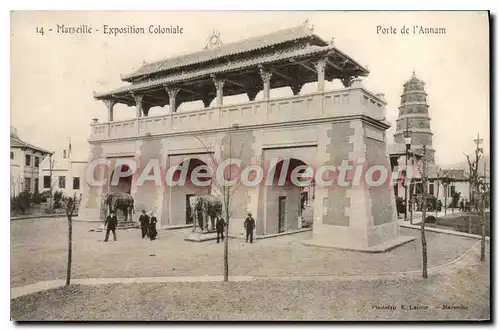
338	149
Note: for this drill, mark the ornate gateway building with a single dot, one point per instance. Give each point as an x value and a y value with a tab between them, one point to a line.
316	129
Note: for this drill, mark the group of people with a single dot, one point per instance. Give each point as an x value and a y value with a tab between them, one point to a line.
249	225
148	225
465	205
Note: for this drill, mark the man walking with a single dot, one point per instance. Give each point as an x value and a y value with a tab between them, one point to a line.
152	226
110	224
144	219
249	227
220	225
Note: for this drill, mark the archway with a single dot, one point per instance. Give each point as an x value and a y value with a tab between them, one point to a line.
285	200
179	195
124	184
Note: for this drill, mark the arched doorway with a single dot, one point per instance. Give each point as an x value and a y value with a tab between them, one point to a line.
180	208
285	201
124	183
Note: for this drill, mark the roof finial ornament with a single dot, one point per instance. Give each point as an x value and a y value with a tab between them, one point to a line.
214	40
413	75
332	41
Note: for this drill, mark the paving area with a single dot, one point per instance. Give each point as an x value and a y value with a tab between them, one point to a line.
462	292
39	253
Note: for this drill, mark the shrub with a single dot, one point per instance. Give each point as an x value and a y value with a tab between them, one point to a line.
21	203
430	219
58	197
37	198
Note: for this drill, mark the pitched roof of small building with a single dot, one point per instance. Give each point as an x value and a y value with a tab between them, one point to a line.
17	142
397	149
457	174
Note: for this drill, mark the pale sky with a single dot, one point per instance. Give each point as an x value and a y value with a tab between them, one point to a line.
53	76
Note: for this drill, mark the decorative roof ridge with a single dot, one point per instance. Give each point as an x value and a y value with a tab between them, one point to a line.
162	80
302	31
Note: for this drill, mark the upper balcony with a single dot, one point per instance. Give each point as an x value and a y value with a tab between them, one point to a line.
287	58
354	100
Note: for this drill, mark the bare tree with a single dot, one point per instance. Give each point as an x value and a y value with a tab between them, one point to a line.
474	179
424	212
484	196
225	192
70	208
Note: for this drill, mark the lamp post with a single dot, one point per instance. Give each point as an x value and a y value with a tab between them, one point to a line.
446	182
407	151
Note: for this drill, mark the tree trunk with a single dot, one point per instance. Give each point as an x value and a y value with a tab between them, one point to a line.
70	244
483	232
226	242
424	241
446	200
470	222
437	198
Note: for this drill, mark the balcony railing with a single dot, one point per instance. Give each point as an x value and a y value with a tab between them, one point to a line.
343	102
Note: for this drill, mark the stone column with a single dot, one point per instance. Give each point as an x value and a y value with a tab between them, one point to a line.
266	80
138	104
172	94
320	68
219	87
110	104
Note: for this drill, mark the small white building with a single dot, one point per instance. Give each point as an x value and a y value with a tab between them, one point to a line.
67	174
25	160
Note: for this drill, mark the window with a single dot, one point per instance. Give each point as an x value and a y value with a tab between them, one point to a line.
36	184
431	189
28	160
11	155
76	183
452	190
27	184
46	181
62	182
37	161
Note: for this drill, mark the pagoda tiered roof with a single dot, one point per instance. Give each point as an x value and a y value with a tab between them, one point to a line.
290	54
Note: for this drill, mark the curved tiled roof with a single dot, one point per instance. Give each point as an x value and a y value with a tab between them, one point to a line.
242	46
265	59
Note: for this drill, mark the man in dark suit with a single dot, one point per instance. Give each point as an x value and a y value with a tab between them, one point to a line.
144	220
110	224
249	227
220	226
152	226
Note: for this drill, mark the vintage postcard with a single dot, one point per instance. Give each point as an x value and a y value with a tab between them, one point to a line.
240	166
